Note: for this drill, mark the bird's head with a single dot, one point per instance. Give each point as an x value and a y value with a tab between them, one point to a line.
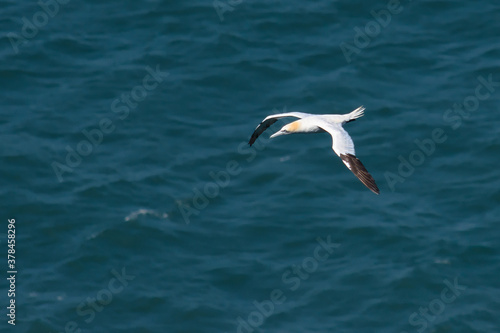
287	129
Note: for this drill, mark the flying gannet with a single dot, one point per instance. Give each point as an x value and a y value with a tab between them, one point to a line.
342	143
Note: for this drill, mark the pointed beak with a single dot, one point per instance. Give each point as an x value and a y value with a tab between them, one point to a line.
276	134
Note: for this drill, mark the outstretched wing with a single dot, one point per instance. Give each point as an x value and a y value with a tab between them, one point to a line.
269	120
343	146
355	165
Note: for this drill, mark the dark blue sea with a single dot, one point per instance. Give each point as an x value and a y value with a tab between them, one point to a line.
131	201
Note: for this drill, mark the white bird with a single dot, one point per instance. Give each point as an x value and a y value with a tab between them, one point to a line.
342	143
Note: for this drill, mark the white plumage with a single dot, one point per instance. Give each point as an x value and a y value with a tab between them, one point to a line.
342	143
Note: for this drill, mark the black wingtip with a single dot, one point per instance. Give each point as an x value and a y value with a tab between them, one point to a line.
252	140
359	170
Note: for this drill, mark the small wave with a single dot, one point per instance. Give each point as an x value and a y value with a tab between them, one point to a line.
441	261
137	213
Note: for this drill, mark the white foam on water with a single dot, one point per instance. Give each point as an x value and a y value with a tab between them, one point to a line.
134	215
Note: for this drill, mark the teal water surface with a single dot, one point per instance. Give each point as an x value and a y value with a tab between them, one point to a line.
139	206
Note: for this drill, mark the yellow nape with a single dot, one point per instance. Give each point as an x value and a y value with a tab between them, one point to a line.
292	127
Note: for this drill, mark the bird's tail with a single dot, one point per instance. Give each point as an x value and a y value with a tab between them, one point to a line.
359	112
